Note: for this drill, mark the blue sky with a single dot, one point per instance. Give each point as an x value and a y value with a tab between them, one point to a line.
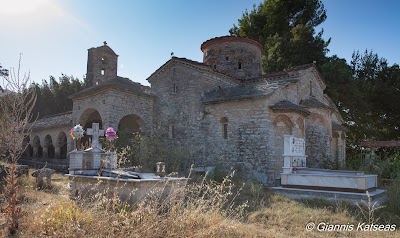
54	35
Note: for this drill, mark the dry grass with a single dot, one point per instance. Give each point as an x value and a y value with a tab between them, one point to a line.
204	209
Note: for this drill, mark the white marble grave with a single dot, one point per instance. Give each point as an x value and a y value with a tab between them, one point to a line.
293	153
94	171
90	161
297	175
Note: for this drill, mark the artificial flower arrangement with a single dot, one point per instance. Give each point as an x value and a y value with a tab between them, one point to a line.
111	135
76	133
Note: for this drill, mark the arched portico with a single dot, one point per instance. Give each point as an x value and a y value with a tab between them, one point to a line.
128	127
37	148
87	118
61	146
48	147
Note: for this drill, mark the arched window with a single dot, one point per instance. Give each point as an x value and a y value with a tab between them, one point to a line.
224	122
240	64
171	131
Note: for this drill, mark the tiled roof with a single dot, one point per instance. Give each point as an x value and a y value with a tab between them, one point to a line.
378	144
286	105
53	121
289	73
195	63
337	126
123	84
243	91
314	103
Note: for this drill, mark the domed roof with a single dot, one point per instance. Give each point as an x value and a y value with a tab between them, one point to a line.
222	39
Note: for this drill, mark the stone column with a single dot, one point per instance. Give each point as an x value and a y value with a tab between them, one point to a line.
45	152
57	151
36	151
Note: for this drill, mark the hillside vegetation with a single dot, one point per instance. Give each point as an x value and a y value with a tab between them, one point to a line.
204	209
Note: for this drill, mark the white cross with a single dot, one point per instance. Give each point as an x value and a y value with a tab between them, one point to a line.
95	133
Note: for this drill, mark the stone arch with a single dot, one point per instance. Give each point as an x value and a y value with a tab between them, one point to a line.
128	127
48	147
37	147
300	127
36	141
131	123
282	126
90	116
284	123
61	146
318	118
87	118
335	134
224	120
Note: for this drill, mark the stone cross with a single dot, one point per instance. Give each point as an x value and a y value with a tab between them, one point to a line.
95	133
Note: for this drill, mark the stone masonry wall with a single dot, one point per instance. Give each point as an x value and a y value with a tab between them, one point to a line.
318	138
113	105
178	106
226	56
249	143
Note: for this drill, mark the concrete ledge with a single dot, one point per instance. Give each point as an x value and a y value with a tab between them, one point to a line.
378	195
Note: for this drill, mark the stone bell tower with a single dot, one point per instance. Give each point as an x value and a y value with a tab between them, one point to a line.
102	65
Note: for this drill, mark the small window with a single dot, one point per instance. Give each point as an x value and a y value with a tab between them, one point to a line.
240	64
225	131
215	66
224	122
172	132
226	58
102	72
104	101
175	89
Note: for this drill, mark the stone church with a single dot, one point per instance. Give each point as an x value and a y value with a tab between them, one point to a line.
223	110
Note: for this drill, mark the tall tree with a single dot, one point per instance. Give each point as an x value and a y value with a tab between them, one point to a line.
56	91
286	29
367	93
